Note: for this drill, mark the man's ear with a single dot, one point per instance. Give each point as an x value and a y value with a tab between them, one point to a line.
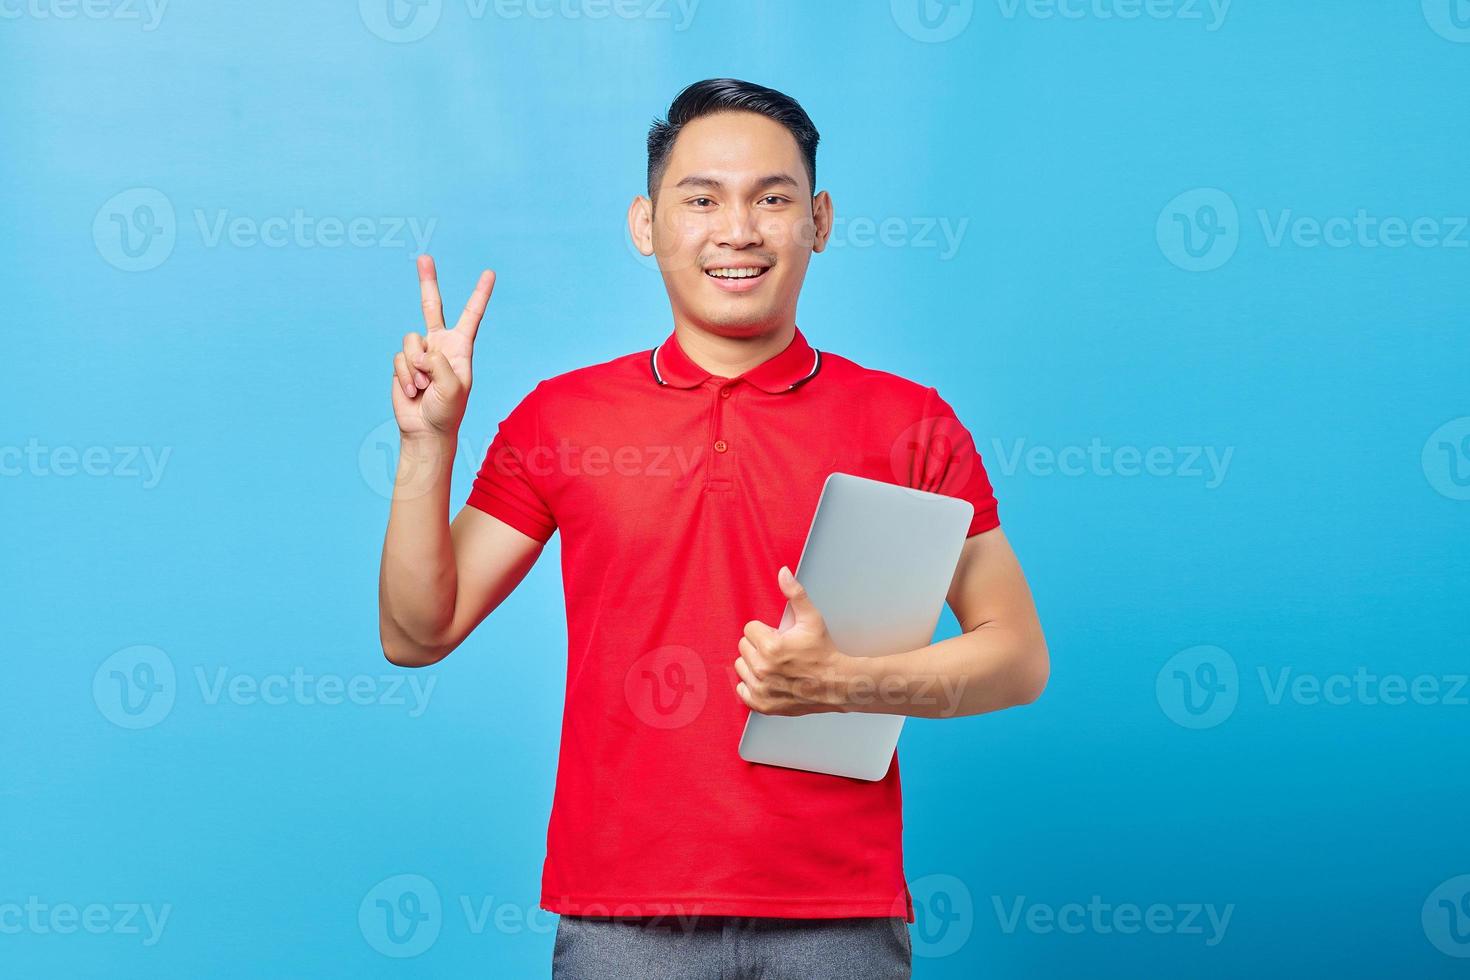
640	224
821	221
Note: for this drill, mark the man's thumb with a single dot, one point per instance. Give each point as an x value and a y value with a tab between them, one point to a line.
801	603
436	366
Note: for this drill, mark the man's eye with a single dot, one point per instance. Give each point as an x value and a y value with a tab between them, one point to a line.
777	198
701	201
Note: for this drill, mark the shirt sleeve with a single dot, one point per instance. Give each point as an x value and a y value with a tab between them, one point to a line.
946	461
507	485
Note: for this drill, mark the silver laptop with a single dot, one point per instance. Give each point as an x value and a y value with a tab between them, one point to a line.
878	563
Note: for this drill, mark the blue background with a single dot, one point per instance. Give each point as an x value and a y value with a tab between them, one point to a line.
1336	539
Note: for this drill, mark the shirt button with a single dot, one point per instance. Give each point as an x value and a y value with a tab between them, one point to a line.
724	392
721	446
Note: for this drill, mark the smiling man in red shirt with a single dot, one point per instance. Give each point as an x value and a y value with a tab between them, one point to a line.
683	479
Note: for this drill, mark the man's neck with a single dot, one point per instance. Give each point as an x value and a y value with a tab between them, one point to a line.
730	357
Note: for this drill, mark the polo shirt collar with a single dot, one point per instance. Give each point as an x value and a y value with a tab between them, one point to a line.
795	365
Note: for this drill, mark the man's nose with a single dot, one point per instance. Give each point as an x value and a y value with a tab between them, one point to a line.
740	229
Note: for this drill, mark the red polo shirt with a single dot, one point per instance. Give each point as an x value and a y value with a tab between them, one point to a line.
679	494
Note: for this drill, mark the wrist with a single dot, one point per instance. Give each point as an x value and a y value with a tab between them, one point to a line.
424	465
429	445
854	682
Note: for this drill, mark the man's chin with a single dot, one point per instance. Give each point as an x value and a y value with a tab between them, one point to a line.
738	323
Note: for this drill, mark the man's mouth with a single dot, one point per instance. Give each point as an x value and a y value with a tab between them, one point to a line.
736	272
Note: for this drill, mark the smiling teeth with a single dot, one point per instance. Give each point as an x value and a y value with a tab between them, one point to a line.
734	273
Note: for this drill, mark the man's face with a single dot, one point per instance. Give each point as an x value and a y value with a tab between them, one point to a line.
734	225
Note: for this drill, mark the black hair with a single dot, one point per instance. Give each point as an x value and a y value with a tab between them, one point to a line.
729	95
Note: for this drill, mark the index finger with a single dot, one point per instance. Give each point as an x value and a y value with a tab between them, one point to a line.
474	310
429	294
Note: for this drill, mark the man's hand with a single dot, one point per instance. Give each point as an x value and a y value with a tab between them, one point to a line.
798	671
431	375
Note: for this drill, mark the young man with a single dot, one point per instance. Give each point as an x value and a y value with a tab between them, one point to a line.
683	479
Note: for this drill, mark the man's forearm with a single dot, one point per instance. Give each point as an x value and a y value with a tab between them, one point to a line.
986	669
418	579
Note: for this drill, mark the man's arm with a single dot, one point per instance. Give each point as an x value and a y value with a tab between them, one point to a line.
438	581
1000	659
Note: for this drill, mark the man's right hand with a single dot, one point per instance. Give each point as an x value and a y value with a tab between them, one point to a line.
432	374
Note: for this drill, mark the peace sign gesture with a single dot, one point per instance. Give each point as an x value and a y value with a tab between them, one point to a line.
431	375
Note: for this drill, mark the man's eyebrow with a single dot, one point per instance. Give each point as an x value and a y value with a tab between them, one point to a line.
700	180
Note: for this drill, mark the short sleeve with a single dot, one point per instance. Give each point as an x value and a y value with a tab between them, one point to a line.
507	485
946	461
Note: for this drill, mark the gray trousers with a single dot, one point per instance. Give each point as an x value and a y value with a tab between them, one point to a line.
729	947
